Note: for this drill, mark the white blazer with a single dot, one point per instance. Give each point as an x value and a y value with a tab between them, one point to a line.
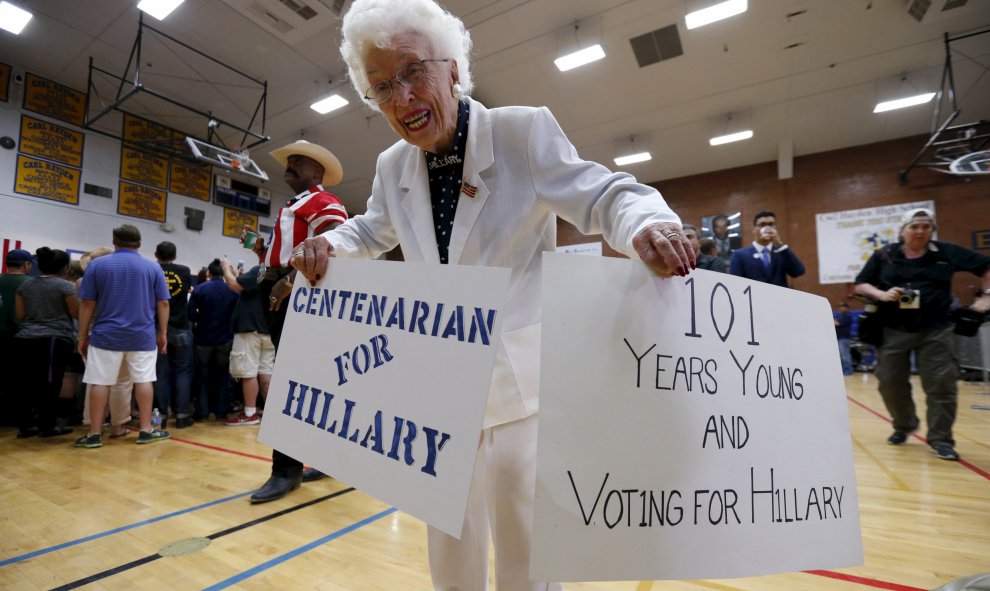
525	171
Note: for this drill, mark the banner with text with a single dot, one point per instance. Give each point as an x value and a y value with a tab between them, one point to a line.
690	428
846	239
382	376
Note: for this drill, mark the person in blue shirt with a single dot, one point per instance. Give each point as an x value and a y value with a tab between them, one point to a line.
843	334
210	309
123	318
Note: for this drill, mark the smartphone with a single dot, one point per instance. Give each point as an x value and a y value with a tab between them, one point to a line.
240	266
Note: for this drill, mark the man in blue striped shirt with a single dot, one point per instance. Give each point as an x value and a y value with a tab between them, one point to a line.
123	318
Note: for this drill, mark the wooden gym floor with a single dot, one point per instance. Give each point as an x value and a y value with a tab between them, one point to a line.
175	516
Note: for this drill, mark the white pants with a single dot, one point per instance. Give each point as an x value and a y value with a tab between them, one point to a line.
500	501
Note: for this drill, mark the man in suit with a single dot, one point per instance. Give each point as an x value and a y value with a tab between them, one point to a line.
767	259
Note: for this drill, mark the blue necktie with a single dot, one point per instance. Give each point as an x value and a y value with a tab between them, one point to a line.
765	255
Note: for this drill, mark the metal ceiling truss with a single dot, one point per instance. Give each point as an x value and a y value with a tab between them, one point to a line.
129	88
949	142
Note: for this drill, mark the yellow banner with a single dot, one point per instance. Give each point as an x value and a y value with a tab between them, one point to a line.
4	82
234	222
192	180
141	202
137	129
51	141
143	167
48	97
46	179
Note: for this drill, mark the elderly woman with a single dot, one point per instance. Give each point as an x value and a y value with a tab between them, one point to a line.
469	185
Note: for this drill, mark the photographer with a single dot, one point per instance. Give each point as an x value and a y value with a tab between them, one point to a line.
912	284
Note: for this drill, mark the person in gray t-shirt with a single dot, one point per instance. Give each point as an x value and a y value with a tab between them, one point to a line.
45	307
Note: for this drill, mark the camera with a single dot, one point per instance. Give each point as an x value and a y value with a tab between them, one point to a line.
910	299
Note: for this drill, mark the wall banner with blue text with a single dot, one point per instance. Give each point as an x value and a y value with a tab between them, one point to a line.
690	428
382	377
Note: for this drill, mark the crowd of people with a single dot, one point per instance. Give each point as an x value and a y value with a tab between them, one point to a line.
82	338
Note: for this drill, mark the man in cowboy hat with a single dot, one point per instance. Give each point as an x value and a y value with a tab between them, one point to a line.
308	169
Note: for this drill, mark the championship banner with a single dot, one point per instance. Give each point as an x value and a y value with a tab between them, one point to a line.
846	239
39	178
382	376
141	202
143	167
48	97
234	222
50	141
191	180
4	82
690	428
141	130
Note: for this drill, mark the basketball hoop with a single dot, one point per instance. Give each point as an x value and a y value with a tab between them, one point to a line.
973	163
238	161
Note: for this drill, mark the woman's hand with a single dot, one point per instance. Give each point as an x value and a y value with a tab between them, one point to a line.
663	247
311	257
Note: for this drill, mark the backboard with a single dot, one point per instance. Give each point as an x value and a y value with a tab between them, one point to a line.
217	156
973	163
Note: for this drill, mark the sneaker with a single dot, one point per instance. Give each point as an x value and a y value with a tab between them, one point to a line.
91	440
944	451
897	437
152	436
242	419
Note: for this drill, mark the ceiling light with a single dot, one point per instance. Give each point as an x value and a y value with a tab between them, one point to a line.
330	103
705	16
904	102
159	8
580	58
732	137
13	18
633	158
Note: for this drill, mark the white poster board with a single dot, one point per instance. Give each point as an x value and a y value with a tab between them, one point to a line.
381	380
846	239
690	428
585	248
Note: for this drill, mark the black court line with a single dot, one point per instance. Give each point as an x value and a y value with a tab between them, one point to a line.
152	557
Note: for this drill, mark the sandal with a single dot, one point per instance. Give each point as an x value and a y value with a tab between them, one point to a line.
118	435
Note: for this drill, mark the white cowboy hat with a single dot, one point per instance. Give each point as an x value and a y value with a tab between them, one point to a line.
333	173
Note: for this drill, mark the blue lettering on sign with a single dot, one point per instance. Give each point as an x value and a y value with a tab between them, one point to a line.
470	324
305	402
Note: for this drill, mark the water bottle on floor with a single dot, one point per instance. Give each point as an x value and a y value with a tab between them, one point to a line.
156	420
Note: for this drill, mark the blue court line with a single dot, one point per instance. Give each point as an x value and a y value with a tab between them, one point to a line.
7	561
300	550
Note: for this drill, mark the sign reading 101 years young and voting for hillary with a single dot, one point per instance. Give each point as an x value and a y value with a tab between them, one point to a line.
690	428
382	376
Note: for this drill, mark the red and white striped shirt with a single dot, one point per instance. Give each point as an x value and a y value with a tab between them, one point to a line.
304	216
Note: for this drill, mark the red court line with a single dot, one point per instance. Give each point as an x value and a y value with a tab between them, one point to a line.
974	468
223	449
863	581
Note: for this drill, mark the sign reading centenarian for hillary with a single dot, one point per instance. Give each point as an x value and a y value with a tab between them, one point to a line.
382	376
690	428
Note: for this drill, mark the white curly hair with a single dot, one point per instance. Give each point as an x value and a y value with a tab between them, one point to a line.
376	23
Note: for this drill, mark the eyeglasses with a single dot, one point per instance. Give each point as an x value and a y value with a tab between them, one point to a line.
764	224
407	75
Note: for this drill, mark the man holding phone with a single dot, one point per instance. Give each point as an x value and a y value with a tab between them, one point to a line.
314	210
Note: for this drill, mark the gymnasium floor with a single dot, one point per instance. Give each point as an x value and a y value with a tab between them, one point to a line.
175	516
